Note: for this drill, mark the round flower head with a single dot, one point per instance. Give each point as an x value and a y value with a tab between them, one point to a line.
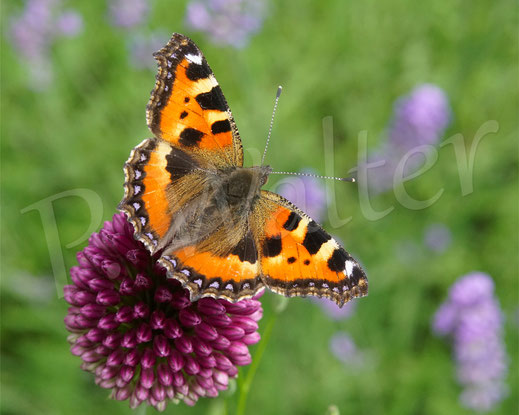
472	317
140	334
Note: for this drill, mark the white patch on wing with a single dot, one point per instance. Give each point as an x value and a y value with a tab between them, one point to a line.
194	58
151	238
213	80
349	267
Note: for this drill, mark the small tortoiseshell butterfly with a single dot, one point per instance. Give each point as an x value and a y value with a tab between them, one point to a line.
194	205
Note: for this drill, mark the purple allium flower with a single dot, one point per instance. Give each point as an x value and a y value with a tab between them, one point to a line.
128	13
307	193
142	48
437	237
471	316
344	349
419	119
226	22
140	334
332	310
33	32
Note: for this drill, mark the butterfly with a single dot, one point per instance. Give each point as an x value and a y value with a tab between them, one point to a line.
205	216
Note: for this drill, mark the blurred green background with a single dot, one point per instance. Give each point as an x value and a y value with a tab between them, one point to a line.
345	59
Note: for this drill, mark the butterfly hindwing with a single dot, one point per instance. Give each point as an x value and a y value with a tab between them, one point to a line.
188	109
231	275
298	258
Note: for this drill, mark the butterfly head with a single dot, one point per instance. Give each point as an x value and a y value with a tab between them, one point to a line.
263	173
244	184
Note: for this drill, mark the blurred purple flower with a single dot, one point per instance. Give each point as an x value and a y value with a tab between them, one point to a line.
226	22
344	349
438	237
33	32
128	13
332	310
142	48
471	316
419	119
307	193
140	334
70	23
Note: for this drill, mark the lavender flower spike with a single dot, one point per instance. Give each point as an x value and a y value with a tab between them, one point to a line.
226	22
419	118
33	32
138	332
471	316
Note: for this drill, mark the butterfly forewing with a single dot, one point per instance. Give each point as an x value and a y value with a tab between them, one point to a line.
188	109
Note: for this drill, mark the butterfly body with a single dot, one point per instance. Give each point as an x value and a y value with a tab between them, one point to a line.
193	203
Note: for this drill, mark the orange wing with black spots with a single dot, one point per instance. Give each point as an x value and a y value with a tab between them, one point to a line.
232	276
298	258
188	109
194	132
151	172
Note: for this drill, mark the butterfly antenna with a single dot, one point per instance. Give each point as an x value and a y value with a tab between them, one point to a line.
280	88
342	179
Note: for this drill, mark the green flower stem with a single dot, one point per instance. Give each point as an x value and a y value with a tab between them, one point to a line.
246	384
